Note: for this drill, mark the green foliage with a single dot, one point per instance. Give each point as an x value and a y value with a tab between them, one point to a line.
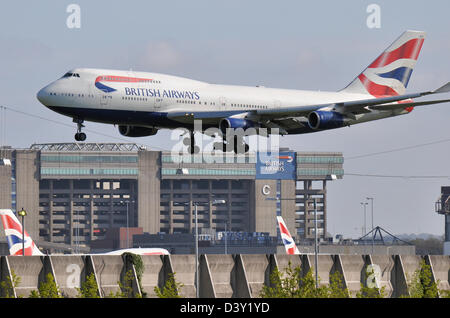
283	285
291	284
88	288
138	263
47	289
7	286
421	285
126	289
171	288
337	287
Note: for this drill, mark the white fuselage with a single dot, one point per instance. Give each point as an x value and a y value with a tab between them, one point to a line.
147	99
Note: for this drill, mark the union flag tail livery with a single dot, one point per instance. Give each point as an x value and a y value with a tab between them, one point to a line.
288	241
13	232
389	74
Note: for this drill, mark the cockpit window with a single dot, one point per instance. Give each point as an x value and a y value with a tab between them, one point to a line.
69	74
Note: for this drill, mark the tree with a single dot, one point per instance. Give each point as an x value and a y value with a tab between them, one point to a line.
89	288
47	289
171	288
421	285
139	267
291	284
337	288
7	286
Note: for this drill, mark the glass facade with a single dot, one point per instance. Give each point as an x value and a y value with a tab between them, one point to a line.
88	171
319	172
320	159
209	172
209	159
89	159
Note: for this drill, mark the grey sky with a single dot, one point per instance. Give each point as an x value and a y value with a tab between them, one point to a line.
319	45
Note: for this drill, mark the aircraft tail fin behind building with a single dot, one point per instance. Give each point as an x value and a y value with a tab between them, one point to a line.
288	241
13	232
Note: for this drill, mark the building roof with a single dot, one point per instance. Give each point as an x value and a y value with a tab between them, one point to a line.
84	146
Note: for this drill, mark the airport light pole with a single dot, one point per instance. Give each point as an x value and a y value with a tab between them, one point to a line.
23	214
197	294
364	204
316	258
197	278
371	199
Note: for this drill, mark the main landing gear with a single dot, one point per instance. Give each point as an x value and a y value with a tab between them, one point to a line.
79	136
190	141
235	144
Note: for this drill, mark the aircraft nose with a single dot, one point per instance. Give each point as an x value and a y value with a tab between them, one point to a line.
43	95
40	95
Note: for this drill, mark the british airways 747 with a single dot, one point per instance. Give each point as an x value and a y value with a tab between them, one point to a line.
142	103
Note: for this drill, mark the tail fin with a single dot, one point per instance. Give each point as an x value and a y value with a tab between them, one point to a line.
13	232
288	241
389	74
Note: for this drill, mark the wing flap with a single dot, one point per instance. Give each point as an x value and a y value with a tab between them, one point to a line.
404	105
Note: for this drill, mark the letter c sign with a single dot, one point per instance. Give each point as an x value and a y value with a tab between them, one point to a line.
266	189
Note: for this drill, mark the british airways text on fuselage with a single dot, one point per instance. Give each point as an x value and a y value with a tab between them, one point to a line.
155	92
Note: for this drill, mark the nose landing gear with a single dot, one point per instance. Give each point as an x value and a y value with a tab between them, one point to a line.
79	136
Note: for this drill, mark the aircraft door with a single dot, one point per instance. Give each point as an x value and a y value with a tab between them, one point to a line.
222	103
158	103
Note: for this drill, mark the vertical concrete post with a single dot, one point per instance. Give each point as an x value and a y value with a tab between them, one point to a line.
5	275
90	269
239	282
398	279
206	281
128	266
440	270
338	267
47	269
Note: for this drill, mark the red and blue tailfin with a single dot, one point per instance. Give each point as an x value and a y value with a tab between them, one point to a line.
389	74
13	232
286	237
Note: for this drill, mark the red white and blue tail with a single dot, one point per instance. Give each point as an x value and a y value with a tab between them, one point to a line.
288	241
389	74
13	232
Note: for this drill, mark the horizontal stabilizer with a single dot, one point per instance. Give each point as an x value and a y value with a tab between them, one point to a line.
443	89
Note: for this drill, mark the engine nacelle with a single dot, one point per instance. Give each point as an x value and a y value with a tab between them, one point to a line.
136	131
325	120
235	123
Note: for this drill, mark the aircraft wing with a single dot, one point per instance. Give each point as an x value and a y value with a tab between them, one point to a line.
349	107
356	106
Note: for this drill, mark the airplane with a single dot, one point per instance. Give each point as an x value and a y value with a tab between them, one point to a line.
288	241
141	103
13	232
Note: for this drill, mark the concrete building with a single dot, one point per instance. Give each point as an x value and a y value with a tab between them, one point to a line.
75	192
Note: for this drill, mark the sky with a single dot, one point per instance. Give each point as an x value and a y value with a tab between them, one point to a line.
316	45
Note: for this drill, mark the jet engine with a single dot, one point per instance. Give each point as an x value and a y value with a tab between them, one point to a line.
235	123
136	131
325	120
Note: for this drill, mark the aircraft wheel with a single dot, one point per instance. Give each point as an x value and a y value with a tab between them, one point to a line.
80	136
